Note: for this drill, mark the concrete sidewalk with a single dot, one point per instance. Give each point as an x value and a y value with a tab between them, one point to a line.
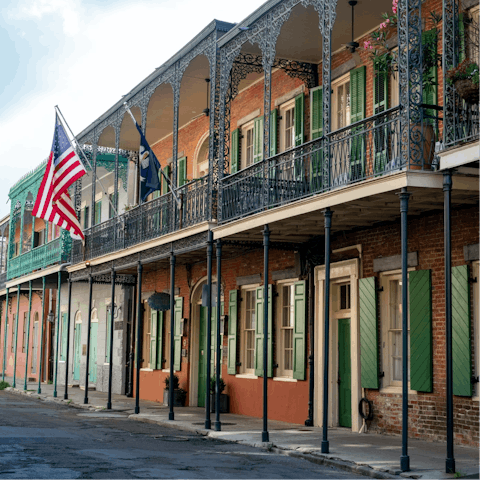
370	454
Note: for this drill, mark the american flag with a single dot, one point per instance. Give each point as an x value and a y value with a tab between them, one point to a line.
53	202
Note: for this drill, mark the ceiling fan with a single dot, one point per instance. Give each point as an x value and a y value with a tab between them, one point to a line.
353	45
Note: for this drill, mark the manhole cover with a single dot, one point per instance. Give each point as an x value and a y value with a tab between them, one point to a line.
101	415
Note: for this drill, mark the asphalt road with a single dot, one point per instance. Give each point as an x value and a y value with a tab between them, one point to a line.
46	440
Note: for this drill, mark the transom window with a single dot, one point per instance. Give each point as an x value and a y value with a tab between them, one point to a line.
287	126
341	103
249	332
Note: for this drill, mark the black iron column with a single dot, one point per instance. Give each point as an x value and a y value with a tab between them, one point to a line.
131	355
266	241
28	333
16	340
67	353
138	346
110	353
404	459
41	337
89	324
5	337
447	189
328	224
218	370
57	332
171	415
208	422
311	376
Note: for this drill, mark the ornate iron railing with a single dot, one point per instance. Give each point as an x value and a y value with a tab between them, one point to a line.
3	280
363	150
464	121
39	257
150	220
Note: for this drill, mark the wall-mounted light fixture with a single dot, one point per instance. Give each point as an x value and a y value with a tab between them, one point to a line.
51	317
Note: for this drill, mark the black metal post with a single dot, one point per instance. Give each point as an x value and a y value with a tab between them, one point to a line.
208	422
28	333
171	415
14	384
41	337
87	361
57	334
404	459
131	356
447	189
138	346
5	337
311	357
67	354
218	371
110	353
328	224
266	241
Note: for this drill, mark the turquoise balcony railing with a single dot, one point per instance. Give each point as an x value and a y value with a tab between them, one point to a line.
40	257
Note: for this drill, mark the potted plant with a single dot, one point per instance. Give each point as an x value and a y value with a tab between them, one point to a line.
224	399
179	394
465	79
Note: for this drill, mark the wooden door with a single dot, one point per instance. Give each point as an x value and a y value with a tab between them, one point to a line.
344	374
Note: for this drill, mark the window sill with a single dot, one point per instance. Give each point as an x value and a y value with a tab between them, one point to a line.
246	375
396	390
285	379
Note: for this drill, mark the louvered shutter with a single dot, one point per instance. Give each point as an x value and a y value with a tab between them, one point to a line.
299	119
98	212
159	364
430	91
177	358
153	338
182	171
273	132
259	335
316	131
235	153
368	332
258	140
421	358
165	188
232	331
380	104
299	330
461	341
357	113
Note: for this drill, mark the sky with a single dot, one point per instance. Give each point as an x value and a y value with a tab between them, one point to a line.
83	55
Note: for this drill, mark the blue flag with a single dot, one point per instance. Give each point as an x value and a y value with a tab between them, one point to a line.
149	168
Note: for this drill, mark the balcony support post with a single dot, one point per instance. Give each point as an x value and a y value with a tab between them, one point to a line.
171	415
28	333
404	459
16	338
208	423
5	336
328	224
311	335
447	189
41	337
115	185
218	351
267	99
67	353
94	179
110	333
266	247
87	361
57	334
138	346
176	104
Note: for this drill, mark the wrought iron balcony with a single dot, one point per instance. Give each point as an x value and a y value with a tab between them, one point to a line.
463	122
150	220
44	256
363	150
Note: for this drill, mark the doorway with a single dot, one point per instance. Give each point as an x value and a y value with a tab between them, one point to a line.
77	347
35	344
202	357
92	370
344	374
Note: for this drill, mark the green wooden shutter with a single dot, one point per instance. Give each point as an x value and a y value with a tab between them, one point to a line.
380	104
316	131
159	363
98	212
299	330
421	358
177	357
232	331
273	132
235	153
461	342
64	336
357	113
153	338
107	350
258	140
430	92
299	119
259	332
182	171
165	189
368	332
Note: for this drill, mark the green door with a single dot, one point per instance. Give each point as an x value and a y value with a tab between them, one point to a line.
202	357
92	370
344	374
77	351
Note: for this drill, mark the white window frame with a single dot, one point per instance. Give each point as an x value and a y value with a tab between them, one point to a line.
343	80
282	124
249	126
246	372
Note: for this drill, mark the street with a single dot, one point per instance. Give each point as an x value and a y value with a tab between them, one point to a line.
47	440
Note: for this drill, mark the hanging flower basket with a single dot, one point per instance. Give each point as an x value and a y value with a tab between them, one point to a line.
159	301
467	90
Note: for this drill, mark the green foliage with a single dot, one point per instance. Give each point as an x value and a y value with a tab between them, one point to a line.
221	384
4	385
176	382
467	70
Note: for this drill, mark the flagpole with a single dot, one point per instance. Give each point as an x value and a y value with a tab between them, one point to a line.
179	203
95	178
